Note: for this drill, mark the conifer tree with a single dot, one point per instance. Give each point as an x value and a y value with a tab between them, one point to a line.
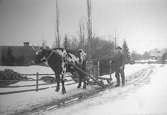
126	52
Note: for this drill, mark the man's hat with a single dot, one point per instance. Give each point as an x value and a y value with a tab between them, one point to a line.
118	48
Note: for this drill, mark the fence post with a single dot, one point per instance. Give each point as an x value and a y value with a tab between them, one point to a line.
98	66
110	70
37	75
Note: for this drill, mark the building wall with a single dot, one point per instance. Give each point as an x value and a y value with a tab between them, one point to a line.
19	51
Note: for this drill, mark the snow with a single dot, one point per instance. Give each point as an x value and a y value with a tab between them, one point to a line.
29	69
104	102
25	101
129	69
146	61
146	99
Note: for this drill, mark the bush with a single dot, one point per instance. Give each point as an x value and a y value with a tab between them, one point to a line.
10	77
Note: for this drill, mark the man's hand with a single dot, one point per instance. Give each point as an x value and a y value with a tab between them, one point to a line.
122	67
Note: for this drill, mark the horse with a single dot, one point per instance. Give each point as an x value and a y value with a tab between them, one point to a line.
78	58
58	59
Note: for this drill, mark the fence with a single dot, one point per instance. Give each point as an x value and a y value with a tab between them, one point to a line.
93	67
99	67
37	84
31	79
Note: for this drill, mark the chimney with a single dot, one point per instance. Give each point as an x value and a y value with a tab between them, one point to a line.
26	44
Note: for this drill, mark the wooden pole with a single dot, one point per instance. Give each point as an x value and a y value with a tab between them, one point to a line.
89	28
110	70
37	76
57	25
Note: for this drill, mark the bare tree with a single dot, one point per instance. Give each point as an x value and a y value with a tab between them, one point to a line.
126	52
66	42
74	43
82	35
89	27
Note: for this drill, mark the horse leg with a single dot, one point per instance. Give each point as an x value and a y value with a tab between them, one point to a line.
79	85
84	85
63	87
58	82
84	81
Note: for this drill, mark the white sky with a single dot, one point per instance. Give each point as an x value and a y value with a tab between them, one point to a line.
143	23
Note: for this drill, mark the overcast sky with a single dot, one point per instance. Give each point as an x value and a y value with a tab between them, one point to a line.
143	23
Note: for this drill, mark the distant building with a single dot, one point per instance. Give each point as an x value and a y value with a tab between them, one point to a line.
23	55
157	54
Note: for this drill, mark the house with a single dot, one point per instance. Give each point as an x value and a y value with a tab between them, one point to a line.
157	54
23	55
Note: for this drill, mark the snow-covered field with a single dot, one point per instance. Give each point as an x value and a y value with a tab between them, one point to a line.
13	103
29	69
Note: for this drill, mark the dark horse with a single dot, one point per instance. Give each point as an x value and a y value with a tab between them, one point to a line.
58	59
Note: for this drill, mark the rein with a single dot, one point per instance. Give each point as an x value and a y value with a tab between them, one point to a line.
49	55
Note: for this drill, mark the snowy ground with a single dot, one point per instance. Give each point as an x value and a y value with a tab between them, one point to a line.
111	98
29	69
147	97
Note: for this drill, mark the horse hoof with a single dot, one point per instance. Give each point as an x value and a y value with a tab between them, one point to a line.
117	85
63	92
78	86
57	89
84	87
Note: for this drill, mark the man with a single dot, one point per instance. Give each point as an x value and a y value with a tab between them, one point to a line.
118	62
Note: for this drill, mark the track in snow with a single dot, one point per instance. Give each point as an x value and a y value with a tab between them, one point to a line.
135	79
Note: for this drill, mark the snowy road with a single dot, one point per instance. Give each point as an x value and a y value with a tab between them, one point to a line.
144	97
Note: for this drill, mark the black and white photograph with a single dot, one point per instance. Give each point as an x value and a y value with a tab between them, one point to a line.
83	57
